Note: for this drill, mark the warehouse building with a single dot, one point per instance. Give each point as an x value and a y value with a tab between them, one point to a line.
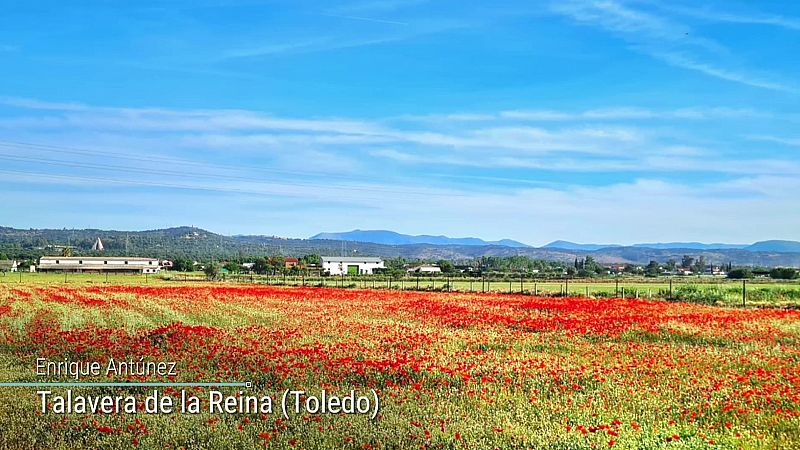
121	264
351	265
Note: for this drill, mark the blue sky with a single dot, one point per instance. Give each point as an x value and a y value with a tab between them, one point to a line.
591	121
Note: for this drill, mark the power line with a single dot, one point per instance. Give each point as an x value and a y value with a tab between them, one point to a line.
155	158
151	171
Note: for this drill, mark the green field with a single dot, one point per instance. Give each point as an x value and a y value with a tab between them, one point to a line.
707	290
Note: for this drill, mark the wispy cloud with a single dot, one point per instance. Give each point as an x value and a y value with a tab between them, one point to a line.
401	169
612	139
681	60
367	19
790	141
665	39
379	5
754	18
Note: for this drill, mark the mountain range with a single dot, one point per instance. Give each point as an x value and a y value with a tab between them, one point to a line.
761	246
386	237
201	245
393	238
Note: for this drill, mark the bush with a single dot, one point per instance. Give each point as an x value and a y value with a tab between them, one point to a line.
740	274
697	294
783	273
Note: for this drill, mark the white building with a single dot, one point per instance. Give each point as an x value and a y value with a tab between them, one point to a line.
425	268
351	265
98	264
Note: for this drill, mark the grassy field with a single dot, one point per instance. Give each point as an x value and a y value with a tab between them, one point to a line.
452	370
706	290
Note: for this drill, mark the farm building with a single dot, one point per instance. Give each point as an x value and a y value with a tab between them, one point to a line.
99	264
8	265
290	263
425	268
351	265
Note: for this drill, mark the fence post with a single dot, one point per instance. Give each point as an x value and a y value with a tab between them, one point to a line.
744	293
509	286
417	280
535	289
670	288
623	291
521	285
587	291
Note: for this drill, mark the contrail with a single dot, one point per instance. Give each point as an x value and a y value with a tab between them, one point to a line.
367	19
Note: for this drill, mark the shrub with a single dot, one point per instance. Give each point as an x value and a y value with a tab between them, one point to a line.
740	274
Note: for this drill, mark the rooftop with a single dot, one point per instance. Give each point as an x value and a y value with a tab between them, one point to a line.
98	258
351	259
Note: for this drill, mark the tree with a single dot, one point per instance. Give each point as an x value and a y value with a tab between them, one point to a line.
446	266
687	262
211	270
277	263
260	266
740	274
699	266
67	252
652	269
232	267
313	258
783	273
182	265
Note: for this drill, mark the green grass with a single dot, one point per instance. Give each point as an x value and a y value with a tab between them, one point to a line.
705	290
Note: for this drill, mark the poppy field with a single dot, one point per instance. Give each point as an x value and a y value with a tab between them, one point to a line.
452	370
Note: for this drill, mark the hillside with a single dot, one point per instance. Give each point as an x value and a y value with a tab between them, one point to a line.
199	244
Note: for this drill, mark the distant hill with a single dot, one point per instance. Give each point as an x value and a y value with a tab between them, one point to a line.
775	246
567	245
690	245
762	246
393	238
